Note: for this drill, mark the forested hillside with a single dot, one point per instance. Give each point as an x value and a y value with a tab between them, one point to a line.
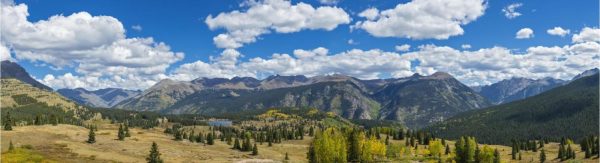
567	111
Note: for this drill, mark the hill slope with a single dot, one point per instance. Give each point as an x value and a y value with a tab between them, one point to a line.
343	98
422	100
13	70
16	93
569	111
26	103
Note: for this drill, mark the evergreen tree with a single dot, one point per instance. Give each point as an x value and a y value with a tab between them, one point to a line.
254	150
210	140
246	144
91	136
447	149
126	130
236	144
286	156
354	146
192	137
8	122
154	156
177	134
569	152
496	156
38	120
459	150
121	133
588	153
311	155
477	154
561	152
543	156
54	120
11	147
229	140
514	152
520	156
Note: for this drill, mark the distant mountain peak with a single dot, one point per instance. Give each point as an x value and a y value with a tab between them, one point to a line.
517	88
106	97
440	74
589	72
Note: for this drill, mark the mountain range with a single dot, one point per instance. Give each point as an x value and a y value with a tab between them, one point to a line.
517	88
104	98
416	101
566	111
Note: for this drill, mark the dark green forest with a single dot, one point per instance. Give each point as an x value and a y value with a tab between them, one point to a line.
568	111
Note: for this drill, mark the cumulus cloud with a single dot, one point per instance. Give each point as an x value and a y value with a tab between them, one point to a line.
402	48
352	42
489	65
587	34
422	19
370	13
510	10
558	31
137	27
76	31
5	53
358	63
524	33
329	2
465	46
472	67
95	46
280	16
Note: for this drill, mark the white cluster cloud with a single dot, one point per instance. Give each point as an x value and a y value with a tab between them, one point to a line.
587	34
352	42
329	2
524	33
95	46
4	53
358	63
465	46
137	27
77	31
402	48
510	10
472	67
489	65
558	31
422	19
267	16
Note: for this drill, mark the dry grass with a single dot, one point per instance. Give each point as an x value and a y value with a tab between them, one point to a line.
66	143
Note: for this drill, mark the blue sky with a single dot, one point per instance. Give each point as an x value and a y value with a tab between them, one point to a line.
182	26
